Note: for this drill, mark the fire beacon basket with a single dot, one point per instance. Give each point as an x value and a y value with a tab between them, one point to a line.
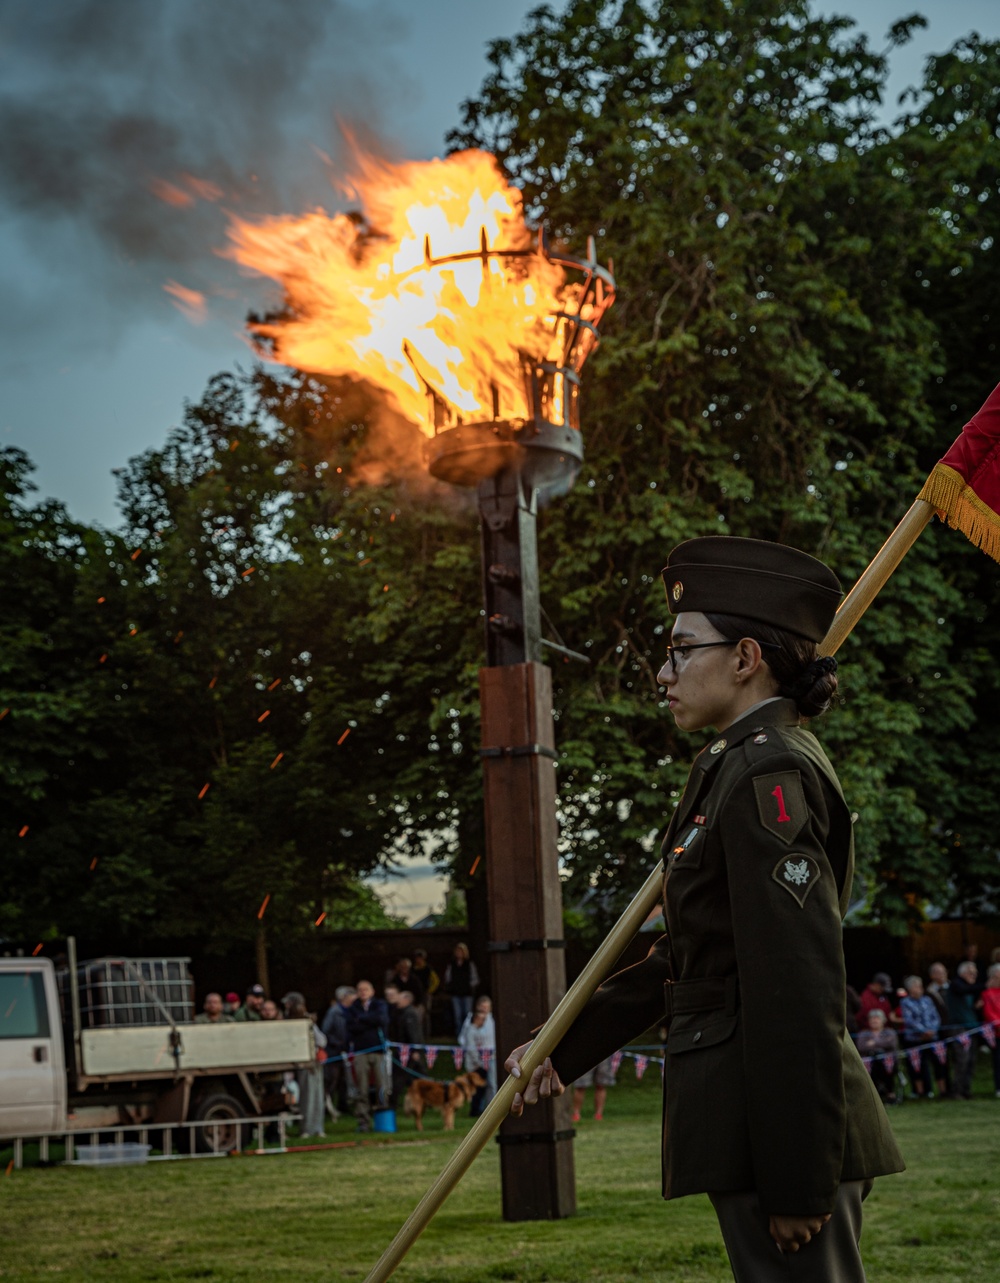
546	446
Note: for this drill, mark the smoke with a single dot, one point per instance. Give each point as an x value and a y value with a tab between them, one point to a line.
128	126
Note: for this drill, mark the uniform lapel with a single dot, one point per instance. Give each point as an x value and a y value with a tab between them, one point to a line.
776	713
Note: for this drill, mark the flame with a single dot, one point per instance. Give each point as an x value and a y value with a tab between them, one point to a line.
372	294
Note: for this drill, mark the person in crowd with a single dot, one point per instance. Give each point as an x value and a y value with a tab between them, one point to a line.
367	1024
403	978
601	1077
876	1041
970	953
768	1108
338	1043
308	1077
937	991
251	1004
876	993
991	1015
214	1012
961	998
391	995
431	982
269	1010
922	1027
398	1075
407	1029
231	1003
478	1040
461	980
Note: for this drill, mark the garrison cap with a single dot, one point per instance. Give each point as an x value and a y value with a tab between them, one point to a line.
778	585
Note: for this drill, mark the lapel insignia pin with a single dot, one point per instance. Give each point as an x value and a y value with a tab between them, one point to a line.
718	746
760	739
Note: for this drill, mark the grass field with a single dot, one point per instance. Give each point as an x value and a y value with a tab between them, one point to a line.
328	1215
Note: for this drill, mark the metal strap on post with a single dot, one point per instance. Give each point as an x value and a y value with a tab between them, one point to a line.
521	750
512	946
535	1138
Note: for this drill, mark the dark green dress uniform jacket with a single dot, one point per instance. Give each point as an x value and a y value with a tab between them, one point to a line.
764	1089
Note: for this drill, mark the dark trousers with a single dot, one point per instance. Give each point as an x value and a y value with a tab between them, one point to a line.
833	1255
885	1082
963	1061
930	1069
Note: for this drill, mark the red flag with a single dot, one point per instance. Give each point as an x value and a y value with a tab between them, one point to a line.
965	485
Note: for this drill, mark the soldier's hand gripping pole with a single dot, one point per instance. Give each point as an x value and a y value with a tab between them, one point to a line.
551	1034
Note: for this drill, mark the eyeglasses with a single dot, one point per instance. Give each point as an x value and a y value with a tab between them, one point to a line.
681	652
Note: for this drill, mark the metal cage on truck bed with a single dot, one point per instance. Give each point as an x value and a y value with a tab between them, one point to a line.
131	991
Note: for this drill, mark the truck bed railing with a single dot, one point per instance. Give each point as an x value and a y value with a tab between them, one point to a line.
261	1134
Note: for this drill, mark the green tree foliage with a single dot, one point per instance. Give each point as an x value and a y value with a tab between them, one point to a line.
773	369
803	324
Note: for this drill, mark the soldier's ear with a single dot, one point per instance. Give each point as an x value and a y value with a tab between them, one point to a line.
749	657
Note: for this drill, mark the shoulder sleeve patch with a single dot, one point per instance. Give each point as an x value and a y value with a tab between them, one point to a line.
798	874
781	804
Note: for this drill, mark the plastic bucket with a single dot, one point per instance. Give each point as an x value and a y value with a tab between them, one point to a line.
385	1120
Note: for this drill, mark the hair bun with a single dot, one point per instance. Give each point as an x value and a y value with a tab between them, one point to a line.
813	673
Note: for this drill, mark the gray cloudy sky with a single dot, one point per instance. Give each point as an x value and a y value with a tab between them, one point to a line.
99	99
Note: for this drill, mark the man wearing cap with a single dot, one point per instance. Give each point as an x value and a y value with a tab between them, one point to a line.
767	1106
252	1004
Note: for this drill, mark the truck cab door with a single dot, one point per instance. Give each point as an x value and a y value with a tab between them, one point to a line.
32	1079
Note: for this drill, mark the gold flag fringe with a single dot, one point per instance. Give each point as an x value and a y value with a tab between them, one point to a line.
959	505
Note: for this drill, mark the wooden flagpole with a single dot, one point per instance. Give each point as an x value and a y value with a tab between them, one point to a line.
597	969
872	582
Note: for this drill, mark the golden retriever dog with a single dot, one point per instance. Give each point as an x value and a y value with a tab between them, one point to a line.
428	1093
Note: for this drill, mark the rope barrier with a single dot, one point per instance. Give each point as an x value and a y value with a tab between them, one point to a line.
640	1054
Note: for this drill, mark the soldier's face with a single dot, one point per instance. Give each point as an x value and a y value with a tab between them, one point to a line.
701	689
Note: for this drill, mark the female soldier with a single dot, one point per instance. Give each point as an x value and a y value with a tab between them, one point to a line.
767	1106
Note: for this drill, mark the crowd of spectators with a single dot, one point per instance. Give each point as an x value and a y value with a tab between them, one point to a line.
928	1035
369	1048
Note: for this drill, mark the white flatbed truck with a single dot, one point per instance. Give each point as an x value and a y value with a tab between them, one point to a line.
57	1077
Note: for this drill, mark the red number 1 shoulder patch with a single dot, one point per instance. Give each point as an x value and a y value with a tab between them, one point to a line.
781	804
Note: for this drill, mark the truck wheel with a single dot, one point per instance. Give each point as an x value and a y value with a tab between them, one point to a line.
226	1135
